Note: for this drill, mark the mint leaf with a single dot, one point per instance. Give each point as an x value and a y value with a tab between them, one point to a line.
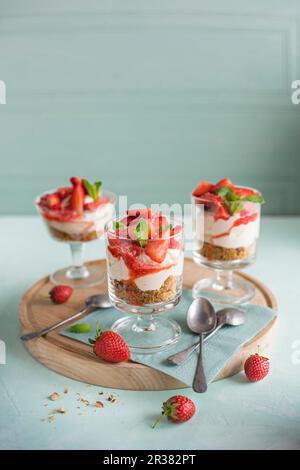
118	225
141	232
234	207
255	198
80	328
224	191
93	190
164	227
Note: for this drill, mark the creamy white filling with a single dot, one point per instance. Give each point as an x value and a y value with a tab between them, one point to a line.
119	271
240	236
89	222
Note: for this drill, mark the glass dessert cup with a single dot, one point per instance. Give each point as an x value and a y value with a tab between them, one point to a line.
145	280
224	245
83	229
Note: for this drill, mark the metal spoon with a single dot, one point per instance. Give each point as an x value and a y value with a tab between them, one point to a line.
95	301
201	318
226	316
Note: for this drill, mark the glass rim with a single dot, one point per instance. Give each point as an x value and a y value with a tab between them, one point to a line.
108	231
112	196
240	186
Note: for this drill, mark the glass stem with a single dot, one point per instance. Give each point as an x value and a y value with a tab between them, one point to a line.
77	270
224	280
144	323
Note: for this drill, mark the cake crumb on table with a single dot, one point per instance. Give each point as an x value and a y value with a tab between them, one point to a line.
54	396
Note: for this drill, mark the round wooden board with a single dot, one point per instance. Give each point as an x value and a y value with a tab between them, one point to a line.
76	360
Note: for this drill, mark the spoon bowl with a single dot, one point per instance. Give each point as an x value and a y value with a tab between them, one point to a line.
98	301
231	316
201	316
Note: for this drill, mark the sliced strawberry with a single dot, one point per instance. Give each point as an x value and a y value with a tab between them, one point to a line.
202	188
221	184
92	206
244	192
74	180
159	227
146	213
127	220
174	243
64	192
53	201
209	199
77	196
222	213
157	250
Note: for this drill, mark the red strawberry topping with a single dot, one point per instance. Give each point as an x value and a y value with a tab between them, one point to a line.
157	250
92	206
202	188
77	196
53	201
221	184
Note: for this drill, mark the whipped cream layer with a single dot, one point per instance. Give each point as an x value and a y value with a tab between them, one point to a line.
89	222
118	270
240	236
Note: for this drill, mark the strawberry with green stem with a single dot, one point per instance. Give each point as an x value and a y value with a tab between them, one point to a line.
177	409
110	346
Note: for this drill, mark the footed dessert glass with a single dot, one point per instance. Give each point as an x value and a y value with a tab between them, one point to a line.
76	228
225	239
144	266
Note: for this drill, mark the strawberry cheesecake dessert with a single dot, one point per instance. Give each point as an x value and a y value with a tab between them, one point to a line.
76	213
144	268
144	258
227	219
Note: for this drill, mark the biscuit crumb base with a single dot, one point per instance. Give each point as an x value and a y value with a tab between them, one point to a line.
130	293
66	237
219	253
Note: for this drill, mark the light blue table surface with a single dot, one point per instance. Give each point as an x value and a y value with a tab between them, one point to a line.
234	414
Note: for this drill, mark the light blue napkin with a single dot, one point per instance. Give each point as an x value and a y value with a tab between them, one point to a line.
217	351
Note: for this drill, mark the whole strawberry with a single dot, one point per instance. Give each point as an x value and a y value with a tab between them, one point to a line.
177	409
60	294
256	367
110	346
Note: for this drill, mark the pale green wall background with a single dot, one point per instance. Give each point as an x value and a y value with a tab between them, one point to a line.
150	96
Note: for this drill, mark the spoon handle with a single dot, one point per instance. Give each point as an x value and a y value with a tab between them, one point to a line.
180	357
37	334
199	384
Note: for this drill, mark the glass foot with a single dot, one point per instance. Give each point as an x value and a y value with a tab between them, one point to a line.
237	292
78	278
147	335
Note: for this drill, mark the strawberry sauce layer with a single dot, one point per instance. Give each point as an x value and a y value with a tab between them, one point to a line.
142	241
241	221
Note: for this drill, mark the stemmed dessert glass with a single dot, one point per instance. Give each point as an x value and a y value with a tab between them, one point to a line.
224	246
76	233
145	278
